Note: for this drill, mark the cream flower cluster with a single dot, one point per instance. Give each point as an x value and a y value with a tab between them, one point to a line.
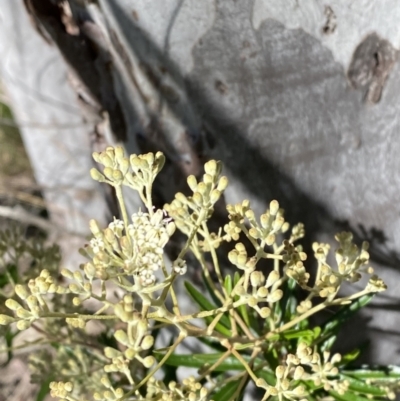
136	250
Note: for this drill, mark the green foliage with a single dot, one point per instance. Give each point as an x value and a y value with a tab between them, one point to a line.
249	323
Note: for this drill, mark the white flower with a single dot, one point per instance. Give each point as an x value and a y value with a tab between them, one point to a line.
147	278
117	226
97	244
180	266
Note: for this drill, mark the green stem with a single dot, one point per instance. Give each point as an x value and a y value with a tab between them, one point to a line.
313	310
213	366
214	257
245	365
76	316
121	201
149	200
153	371
200	219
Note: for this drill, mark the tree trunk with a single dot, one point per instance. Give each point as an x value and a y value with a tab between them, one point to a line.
298	99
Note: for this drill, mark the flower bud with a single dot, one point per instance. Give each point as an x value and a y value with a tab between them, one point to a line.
105	159
233	257
265	312
141	328
273	277
117	176
275	296
119	153
148	362
96	175
124	166
262	292
285	227
108	172
207	179
74	288
23	313
278	223
121	337
257	278
111	353
76	301
203	188
90	270
274	207
23	325
298	373
94	227
105	381
215	195
12	304
252	302
270	239
147	342
280	371
130	354
211	167
5	320
264	220
22	291
78	276
222	183
181	197
198	198
66	273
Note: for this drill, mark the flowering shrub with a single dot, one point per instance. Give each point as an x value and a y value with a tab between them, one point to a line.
249	323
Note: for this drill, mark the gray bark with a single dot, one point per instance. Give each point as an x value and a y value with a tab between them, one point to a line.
297	98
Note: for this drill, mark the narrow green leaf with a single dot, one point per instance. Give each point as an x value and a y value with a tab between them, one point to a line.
223	326
317	331
12	271
350	357
344	313
267	375
226	392
392	372
9	337
364	388
328	344
288	303
272	357
228	284
210	291
44	389
347	396
332	325
292	334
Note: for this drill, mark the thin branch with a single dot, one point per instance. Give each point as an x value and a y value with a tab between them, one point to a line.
19	214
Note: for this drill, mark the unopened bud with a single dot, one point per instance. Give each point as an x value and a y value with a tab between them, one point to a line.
148	362
22	291
192	182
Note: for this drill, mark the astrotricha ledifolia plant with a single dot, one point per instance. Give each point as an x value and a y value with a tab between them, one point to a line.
99	326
